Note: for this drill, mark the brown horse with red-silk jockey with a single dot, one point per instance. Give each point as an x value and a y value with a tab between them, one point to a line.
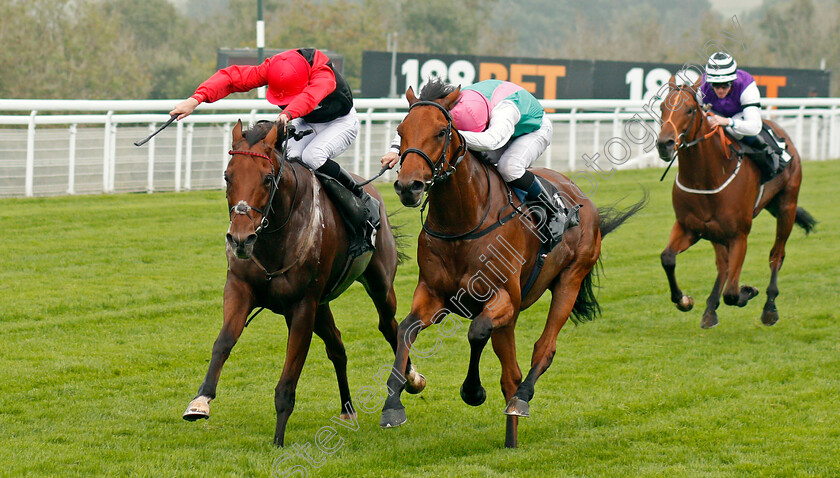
287	246
476	254
716	195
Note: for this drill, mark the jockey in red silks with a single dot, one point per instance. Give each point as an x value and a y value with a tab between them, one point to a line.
311	94
509	124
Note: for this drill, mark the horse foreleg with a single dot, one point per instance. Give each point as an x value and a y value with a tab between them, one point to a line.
498	313
785	219
504	344
301	325
238	303
710	318
679	241
732	294
381	290
326	329
424	309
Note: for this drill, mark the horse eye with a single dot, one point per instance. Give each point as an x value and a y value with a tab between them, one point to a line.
442	133
690	111
268	180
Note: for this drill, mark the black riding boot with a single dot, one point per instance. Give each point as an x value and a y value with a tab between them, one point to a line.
335	171
363	213
771	159
553	214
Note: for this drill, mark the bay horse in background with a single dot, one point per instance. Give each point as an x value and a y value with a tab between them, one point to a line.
476	259
716	197
286	248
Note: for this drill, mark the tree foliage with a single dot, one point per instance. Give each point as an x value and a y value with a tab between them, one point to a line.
151	49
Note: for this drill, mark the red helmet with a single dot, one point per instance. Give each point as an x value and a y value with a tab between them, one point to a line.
288	75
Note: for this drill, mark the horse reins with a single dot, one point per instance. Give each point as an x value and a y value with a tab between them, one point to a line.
439	174
678	144
716	129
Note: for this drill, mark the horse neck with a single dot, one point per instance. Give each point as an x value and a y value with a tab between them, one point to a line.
292	190
458	203
704	165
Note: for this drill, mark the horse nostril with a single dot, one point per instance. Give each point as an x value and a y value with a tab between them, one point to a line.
250	240
230	240
397	187
417	186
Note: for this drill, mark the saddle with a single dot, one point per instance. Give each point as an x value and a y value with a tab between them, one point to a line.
363	219
767	150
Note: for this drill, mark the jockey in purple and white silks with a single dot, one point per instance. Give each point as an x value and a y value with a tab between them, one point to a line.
735	101
733	96
509	124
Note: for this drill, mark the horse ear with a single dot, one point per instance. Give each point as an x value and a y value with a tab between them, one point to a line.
672	82
696	85
449	100
271	138
409	95
237	132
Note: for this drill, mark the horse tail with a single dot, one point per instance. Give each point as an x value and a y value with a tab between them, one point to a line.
400	239
586	306
612	217
805	220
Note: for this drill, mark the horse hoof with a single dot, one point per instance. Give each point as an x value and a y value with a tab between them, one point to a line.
393	417
709	321
415	382
769	316
474	399
198	408
518	408
348	417
747	293
686	303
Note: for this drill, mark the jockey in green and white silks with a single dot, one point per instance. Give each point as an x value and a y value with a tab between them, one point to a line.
509	124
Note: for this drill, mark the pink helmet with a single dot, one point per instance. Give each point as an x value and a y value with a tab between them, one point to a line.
472	112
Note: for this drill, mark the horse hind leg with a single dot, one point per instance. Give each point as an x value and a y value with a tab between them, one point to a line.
785	219
326	329
679	241
301	323
563	296
504	344
710	318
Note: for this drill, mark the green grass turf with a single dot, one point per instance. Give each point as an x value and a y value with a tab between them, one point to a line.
109	306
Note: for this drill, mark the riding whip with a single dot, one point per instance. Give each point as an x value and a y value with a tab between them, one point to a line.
147	138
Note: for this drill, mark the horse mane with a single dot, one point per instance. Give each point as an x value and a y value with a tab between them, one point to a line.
435	89
258	131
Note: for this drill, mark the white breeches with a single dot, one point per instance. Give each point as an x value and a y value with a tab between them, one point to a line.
518	155
328	140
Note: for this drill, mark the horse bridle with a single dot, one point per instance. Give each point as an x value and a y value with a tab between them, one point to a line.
437	167
682	136
243	208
